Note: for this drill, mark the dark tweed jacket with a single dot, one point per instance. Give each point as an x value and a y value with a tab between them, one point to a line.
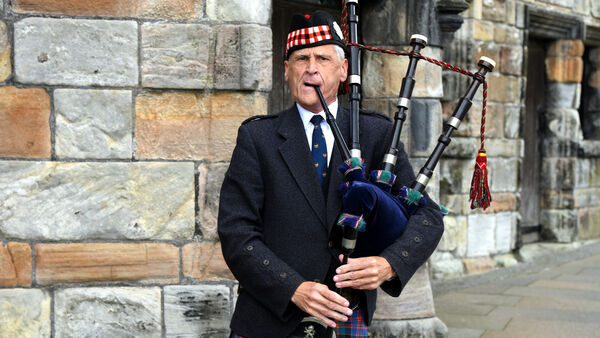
277	227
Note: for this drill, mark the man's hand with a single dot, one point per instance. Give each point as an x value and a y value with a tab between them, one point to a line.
318	301
365	273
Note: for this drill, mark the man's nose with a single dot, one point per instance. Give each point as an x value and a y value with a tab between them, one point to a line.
312	66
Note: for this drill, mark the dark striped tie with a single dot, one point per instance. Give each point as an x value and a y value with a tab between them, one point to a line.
319	148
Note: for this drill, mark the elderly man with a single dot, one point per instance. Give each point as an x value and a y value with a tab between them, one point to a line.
279	203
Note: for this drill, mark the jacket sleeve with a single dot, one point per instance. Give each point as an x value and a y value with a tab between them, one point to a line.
260	272
420	238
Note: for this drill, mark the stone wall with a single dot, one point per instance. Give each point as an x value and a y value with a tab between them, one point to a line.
476	241
117	119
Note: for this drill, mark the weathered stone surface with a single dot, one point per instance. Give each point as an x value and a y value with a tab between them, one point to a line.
583	168
197	311
425	125
482	30
455	235
496	147
390	12
511	60
76	52
176	55
563	123
5	63
445	266
455	176
488	49
458	204
177	125
589	148
15	264
562	95
204	261
74	201
481	235
258	11
425	328
564	69
494	10
558	173
506	226
557	199
559	225
595	7
208	198
471	124
588	225
503	174
243	57
462	147
380	75
93	123
586	197
164	9
416	300
24	126
563	3
24	313
505	261
562	48
555	147
106	262
479	265
107	312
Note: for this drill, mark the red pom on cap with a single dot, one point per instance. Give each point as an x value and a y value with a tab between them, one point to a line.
307	16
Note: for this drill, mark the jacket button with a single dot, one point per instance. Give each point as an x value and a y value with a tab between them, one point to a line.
405	253
417	239
283	275
266	262
249	248
330	244
425	222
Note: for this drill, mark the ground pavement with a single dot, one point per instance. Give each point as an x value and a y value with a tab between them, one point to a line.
557	295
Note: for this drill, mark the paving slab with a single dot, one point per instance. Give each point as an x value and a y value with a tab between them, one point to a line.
561	284
558	303
463	308
465	297
581	315
552	293
474	322
526	328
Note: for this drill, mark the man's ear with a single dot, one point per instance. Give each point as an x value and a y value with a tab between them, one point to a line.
285	66
344	66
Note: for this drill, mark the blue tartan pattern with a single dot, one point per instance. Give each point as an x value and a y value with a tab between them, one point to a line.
319	148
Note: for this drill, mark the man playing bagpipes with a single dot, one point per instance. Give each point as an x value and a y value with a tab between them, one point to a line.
280	204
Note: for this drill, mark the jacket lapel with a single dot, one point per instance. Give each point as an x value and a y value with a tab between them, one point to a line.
296	154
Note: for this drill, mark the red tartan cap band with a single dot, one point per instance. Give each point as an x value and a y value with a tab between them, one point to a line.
313	30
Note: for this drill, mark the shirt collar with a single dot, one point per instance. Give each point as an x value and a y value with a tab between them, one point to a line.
306	115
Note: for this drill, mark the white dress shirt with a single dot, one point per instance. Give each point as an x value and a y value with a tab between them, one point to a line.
306	115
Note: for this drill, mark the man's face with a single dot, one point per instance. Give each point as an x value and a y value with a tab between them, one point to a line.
315	65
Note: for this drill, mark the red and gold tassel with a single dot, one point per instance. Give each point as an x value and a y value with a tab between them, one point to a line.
480	190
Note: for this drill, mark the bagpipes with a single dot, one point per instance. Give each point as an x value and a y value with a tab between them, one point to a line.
372	216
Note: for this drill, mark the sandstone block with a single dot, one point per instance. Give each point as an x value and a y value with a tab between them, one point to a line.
381	78
204	261
595	7
76	52
564	69
455	176
563	123
197	311
502	201
385	11
485	48
15	264
506	226
457	204
164	9
503	174
258	11
455	235
177	125
503	88
447	268
589	148
562	48
555	147
557	199
587	223
5	63
482	30
462	147
73	201
564	3
494	10
24	126
176	56
93	123
106	262
479	265
559	225
497	147
481	235
209	182
511	60
511	121
583	171
107	312
243	57
24	313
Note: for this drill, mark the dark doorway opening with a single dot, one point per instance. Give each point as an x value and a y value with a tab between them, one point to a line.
529	228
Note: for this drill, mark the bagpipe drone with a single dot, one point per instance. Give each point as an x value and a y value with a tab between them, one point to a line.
372	216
